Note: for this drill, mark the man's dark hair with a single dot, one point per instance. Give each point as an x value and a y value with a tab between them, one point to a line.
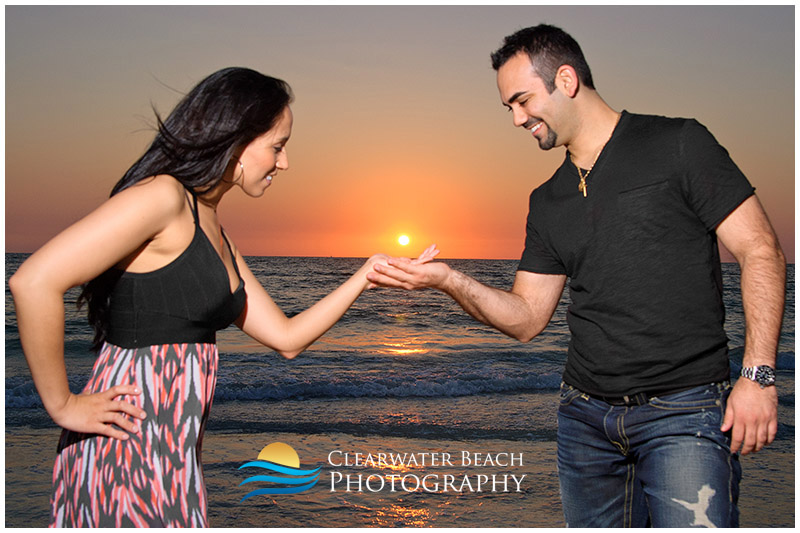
548	48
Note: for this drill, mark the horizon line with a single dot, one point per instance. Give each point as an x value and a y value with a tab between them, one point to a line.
365	257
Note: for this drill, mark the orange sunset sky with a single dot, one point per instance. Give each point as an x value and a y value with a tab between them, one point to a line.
398	125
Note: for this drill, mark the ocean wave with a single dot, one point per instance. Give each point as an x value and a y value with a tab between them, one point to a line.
401	387
239	384
21	393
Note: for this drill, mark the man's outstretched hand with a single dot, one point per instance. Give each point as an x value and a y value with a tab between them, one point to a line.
404	273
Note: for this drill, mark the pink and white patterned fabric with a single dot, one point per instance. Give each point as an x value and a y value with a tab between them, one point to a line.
154	478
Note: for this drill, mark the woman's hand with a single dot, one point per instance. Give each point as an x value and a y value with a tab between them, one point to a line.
98	413
377	259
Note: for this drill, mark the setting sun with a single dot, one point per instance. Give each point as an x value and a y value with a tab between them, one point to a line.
403	240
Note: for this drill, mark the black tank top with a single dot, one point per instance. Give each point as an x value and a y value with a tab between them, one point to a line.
186	301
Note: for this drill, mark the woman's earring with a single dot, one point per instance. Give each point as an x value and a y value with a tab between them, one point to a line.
242	167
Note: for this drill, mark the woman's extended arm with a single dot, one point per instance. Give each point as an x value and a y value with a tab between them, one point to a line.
263	320
89	247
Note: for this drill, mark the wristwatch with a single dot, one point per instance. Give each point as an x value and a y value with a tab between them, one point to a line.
763	375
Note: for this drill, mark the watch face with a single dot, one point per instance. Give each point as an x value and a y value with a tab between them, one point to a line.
765	375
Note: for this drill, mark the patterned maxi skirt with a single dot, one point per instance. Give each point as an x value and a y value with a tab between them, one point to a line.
155	478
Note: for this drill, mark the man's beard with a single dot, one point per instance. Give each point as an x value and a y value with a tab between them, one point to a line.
549	140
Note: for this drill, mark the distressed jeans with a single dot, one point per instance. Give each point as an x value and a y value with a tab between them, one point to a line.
664	463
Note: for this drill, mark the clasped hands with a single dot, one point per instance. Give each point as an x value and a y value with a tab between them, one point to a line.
405	273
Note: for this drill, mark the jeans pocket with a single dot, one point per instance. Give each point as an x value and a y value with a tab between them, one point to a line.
698	412
699	398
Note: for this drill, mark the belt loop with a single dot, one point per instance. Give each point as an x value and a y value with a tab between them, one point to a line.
640	398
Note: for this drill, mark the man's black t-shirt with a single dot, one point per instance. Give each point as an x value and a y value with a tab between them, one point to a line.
640	250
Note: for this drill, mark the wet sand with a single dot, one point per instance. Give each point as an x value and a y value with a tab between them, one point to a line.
767	491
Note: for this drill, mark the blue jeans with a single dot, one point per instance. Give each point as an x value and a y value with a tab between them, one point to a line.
664	463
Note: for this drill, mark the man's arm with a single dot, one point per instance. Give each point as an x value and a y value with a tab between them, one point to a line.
521	313
753	412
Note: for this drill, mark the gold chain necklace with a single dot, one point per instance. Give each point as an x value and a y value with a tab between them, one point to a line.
582	187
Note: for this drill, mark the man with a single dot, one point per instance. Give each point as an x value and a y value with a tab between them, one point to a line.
648	425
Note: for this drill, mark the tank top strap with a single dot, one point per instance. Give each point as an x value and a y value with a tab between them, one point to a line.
193	207
230	249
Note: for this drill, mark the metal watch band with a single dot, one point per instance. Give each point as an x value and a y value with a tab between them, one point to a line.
764	375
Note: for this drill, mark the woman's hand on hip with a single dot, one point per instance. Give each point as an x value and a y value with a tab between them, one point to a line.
101	413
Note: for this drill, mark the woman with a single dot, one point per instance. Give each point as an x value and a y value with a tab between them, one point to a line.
160	278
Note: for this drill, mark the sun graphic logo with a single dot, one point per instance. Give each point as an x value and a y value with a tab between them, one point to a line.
281	459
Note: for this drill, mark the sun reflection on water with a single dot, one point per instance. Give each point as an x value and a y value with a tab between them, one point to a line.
402	516
400	348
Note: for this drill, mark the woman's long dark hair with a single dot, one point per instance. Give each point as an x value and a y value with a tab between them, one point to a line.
195	145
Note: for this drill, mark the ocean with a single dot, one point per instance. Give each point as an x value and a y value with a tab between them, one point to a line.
402	373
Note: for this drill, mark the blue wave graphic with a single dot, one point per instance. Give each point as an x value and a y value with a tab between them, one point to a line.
303	479
286	490
277	479
280	468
